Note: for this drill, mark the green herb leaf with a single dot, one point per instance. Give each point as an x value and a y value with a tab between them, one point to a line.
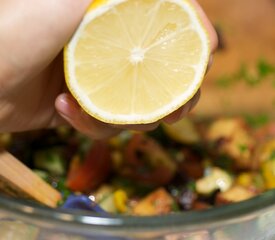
256	121
272	155
263	71
264	68
243	148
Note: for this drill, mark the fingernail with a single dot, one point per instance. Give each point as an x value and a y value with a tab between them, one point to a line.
66	106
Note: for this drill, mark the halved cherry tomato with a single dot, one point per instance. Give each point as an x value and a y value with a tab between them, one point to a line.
146	162
85	175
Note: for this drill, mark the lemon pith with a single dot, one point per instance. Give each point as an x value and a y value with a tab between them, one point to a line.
136	61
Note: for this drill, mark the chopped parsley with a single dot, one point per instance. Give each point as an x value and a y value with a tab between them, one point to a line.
272	155
243	148
263	70
258	120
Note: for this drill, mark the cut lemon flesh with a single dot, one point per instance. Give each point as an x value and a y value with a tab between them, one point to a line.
136	61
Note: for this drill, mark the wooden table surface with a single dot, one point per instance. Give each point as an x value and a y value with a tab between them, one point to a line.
247	30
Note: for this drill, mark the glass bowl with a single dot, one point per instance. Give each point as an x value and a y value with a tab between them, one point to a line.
253	219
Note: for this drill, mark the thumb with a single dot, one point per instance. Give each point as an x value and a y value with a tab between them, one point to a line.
66	16
47	25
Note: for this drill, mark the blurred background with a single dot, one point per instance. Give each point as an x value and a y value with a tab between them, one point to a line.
242	77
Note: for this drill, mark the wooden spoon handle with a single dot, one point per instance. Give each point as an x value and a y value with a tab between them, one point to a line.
18	180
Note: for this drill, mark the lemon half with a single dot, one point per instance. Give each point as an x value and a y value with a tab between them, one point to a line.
136	61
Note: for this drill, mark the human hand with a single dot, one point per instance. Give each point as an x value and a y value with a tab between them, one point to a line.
33	34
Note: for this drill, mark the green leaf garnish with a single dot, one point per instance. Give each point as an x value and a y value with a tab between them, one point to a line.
263	71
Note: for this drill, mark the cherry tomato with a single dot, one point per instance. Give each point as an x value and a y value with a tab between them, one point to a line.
88	173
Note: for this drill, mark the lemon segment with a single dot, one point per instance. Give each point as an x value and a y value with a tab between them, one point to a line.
136	61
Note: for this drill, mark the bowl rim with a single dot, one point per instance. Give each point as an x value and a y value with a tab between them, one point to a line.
219	215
